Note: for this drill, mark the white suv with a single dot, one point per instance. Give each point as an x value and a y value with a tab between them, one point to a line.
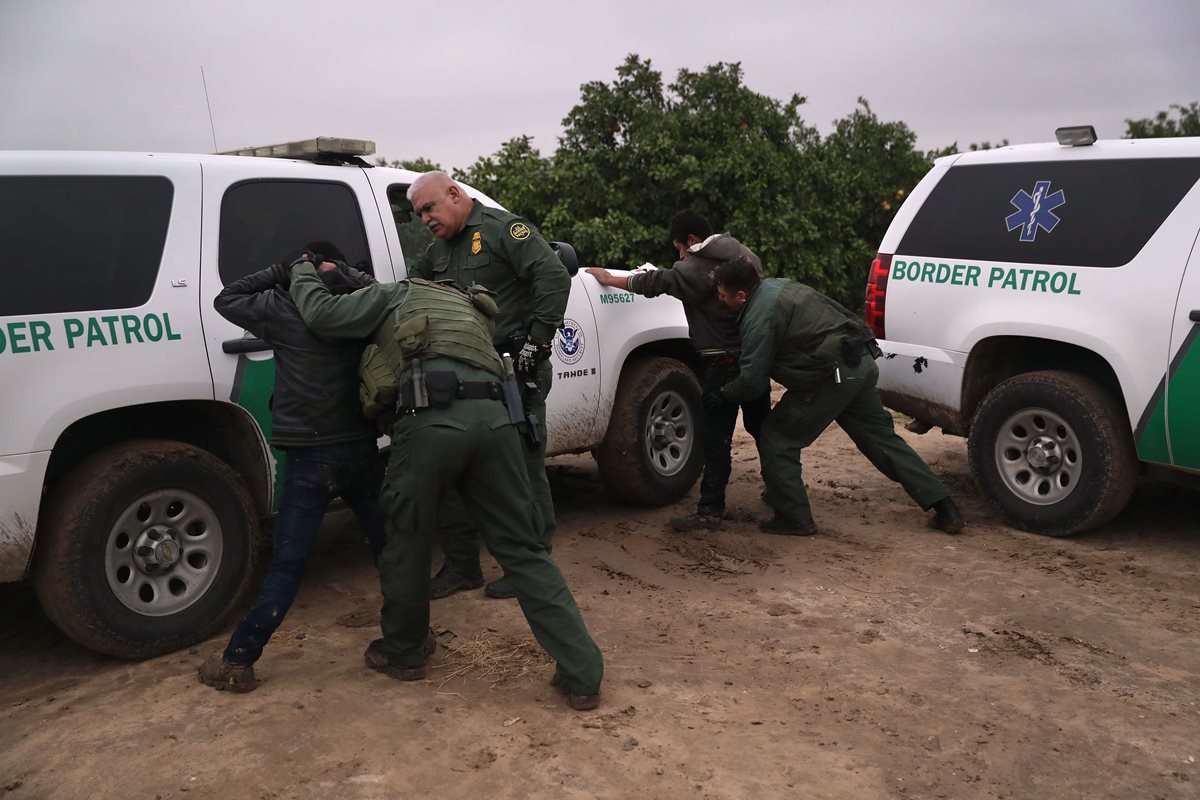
134	464
1043	301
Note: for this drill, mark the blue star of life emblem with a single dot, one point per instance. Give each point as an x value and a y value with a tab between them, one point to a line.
1035	210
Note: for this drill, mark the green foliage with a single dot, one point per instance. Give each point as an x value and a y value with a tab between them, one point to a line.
635	151
1163	125
415	164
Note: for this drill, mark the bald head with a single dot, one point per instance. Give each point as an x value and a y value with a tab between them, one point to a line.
441	203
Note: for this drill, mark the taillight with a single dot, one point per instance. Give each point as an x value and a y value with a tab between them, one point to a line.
877	293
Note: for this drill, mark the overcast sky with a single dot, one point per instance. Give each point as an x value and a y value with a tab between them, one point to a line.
452	81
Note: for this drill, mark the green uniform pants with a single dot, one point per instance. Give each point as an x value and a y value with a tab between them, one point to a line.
800	417
461	535
472	447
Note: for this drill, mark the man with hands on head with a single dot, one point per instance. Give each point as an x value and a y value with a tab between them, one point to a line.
331	447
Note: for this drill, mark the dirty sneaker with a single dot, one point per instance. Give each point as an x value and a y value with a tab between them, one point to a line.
579	702
787	527
225	676
947	517
380	661
451	579
700	521
500	589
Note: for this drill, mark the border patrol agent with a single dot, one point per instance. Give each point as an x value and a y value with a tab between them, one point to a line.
477	245
825	357
452	430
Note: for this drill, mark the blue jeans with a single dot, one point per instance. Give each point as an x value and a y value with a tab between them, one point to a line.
312	476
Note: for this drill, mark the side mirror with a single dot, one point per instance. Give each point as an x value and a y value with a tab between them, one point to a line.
566	254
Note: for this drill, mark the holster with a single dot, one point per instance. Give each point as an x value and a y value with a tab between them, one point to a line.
855	347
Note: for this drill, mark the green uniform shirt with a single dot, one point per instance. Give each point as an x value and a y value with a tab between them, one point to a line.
792	333
507	255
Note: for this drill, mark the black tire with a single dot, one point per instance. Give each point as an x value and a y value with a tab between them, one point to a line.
636	465
1053	451
93	574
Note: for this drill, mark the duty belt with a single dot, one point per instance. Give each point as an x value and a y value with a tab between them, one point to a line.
442	388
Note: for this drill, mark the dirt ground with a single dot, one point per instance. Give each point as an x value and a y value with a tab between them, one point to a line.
878	659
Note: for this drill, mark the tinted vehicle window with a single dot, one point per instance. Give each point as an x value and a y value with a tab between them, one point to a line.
415	238
1106	211
81	243
270	222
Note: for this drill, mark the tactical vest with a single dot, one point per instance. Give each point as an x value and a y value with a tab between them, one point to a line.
432	320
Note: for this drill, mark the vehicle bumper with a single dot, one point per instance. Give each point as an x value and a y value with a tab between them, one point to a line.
923	382
21	478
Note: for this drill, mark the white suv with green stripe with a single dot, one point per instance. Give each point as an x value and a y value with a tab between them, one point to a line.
135	467
1044	301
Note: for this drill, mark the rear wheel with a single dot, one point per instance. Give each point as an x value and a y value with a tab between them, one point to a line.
144	548
1053	452
651	454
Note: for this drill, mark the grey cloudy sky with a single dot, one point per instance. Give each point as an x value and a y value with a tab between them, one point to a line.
452	81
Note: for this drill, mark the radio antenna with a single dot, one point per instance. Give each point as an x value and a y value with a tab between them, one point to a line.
211	127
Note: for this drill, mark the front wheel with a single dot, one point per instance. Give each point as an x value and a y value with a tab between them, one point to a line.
144	548
1053	451
651	454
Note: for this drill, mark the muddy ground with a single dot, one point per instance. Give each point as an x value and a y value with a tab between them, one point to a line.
878	659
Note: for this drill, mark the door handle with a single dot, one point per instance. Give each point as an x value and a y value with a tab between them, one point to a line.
244	346
1195	315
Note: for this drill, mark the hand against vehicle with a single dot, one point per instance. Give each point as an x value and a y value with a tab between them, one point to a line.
602	276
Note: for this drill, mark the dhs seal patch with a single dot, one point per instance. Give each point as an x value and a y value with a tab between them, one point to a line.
569	342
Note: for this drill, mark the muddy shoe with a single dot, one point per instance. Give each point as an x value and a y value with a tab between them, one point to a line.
451	579
381	662
947	517
700	521
579	702
225	676
500	589
787	527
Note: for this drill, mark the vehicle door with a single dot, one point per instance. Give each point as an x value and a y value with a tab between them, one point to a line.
266	215
1183	375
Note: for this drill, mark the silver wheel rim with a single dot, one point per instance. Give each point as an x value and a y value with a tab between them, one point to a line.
163	553
669	435
1039	456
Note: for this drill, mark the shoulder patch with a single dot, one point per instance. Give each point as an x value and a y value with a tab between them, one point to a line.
519	231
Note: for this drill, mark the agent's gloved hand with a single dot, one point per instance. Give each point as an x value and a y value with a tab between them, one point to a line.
530	355
712	401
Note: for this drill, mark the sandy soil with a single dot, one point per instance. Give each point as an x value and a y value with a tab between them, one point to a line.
878	659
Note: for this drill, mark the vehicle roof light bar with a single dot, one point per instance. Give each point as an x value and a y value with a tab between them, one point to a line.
1075	135
310	149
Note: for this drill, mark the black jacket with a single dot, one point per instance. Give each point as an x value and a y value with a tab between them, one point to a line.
316	382
712	325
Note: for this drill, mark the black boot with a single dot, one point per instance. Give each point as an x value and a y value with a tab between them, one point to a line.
947	517
451	579
500	589
787	527
381	662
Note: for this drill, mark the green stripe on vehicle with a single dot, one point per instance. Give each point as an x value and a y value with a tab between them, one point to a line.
253	392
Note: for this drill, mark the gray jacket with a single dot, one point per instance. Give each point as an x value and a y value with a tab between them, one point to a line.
316	382
712	325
